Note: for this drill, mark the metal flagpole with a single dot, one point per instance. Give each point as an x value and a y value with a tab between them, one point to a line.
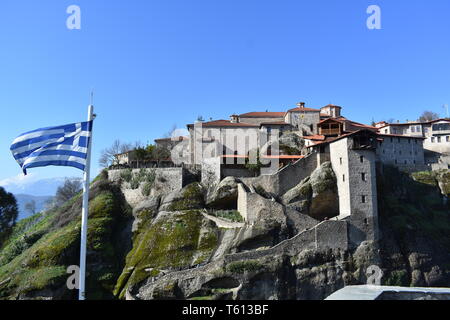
84	213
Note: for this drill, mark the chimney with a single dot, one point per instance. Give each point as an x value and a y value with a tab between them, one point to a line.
234	118
301	104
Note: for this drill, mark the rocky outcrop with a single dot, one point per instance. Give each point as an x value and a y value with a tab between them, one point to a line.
292	143
316	195
224	195
190	197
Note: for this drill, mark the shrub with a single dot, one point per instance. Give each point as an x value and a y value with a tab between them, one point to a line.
244	266
126	175
231	215
147	189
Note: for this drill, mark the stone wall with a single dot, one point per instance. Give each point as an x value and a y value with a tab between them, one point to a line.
401	151
166	180
286	178
236	172
242	201
325	235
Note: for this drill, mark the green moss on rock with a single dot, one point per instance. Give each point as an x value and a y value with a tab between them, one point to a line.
192	198
170	242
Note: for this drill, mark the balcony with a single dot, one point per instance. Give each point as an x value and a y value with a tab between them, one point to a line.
330	131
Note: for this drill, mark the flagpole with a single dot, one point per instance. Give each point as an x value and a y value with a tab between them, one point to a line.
84	213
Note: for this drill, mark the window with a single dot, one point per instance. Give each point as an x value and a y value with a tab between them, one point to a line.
398	140
396	162
438	139
432	139
361	159
392	140
447	138
363	199
406	161
413	129
363	176
343	177
400	152
409	140
340	160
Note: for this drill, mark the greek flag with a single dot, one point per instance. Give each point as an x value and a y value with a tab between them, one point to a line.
65	145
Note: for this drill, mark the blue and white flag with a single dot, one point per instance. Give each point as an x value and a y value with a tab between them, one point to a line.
54	146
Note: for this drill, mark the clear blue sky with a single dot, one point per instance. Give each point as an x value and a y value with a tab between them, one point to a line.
154	64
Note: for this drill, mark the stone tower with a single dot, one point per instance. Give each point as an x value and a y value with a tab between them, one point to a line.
353	158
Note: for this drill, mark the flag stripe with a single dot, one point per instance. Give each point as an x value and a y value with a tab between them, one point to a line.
65	145
55	163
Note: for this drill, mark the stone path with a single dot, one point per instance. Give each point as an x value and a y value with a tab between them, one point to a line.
221	223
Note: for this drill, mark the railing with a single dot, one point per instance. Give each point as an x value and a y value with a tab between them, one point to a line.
329	132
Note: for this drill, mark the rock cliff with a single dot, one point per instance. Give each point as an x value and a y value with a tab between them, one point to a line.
193	244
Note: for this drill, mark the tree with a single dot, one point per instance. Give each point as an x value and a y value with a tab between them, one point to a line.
141	154
67	191
8	214
108	155
31	207
160	153
428	116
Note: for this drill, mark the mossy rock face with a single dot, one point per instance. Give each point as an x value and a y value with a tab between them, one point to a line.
225	195
244	266
188	198
171	241
316	195
439	178
34	262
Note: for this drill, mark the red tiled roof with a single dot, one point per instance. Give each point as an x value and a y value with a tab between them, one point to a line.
332	139
399	136
413	123
299	109
226	123
281	123
315	137
262	115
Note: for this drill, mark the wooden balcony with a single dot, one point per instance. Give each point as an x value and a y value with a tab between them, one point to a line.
330	132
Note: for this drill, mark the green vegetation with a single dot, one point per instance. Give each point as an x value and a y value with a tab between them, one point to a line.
289	150
40	249
126	175
413	207
244	266
440	178
397	278
173	241
231	215
192	198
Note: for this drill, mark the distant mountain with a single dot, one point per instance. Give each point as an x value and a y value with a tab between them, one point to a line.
23	199
42	187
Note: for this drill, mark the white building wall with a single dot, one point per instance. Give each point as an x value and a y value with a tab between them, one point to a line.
340	164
